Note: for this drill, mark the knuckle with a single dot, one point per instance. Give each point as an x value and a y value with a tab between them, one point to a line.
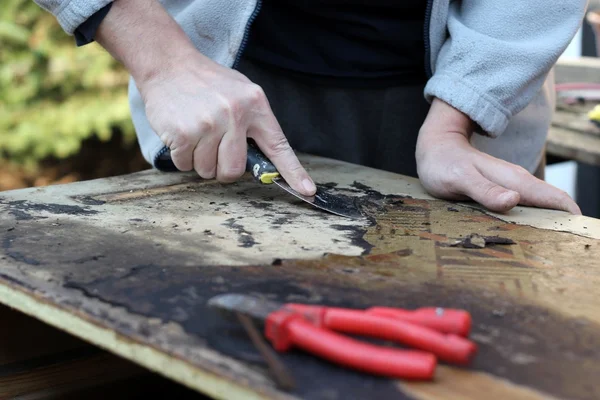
280	148
279	145
256	94
205	173
182	136
207	124
234	110
231	173
205	160
232	168
490	190
522	172
182	160
223	107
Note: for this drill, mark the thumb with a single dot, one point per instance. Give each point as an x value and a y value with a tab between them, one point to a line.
489	194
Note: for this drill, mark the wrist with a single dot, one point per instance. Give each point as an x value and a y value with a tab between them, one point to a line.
442	118
144	38
444	128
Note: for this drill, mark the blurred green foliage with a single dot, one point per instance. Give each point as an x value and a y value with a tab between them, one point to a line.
53	94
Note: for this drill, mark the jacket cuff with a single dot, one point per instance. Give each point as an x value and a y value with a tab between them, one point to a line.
77	12
487	113
86	32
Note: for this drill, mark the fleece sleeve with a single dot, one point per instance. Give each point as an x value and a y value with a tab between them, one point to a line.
497	55
70	14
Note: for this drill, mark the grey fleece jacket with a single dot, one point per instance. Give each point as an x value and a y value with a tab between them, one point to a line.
491	59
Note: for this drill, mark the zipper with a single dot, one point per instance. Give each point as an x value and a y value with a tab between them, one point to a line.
427	24
169	163
247	33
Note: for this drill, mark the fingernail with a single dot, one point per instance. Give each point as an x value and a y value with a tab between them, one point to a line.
508	197
309	186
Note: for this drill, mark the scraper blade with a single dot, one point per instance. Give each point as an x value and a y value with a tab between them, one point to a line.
265	172
336	205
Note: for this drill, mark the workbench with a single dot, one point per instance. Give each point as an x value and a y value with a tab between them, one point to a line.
128	263
572	136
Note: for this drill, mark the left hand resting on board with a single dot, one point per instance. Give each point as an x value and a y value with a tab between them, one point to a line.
449	167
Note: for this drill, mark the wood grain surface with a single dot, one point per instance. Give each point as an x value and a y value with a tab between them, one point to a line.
128	264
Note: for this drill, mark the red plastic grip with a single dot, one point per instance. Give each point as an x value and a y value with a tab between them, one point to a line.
286	330
445	320
450	348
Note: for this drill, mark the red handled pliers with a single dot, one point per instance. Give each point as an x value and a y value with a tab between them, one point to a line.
435	333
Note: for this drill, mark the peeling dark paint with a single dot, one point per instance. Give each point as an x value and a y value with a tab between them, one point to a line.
180	293
89	200
329	184
283	220
86	259
244	237
356	235
16	282
261	205
17	255
474	241
20	209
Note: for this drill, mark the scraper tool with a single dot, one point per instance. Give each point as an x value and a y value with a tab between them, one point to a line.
265	172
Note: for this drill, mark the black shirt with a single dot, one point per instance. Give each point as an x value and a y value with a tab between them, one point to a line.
346	42
350	42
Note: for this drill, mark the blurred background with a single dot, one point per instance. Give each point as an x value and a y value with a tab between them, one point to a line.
580	179
64	114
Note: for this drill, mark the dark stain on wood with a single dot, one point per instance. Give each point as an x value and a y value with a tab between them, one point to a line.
475	241
357	236
89	200
16	282
17	255
21	209
185	303
261	205
529	345
287	219
244	237
329	185
74	247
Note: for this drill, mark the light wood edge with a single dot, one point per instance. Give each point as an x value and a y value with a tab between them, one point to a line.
462	384
143	355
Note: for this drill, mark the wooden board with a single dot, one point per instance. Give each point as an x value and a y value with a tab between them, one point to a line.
128	263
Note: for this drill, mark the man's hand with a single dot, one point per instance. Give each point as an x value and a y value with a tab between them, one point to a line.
450	168
202	111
